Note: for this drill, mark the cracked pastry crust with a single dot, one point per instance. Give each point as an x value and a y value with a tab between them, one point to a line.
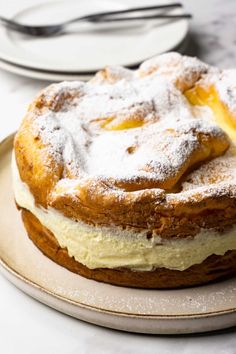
146	149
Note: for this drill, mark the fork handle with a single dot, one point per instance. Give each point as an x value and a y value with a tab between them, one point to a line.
125	11
135	18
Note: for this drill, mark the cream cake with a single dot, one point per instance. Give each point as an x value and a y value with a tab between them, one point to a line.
130	178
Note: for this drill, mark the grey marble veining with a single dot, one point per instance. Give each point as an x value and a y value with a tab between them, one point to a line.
213	31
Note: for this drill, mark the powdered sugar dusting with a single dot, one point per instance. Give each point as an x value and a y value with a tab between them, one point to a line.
226	87
136	128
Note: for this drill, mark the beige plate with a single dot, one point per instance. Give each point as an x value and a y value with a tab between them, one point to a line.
198	309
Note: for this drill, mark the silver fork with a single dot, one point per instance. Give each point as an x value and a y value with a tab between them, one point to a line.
101	17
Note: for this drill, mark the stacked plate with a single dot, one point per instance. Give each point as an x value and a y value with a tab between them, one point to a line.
86	48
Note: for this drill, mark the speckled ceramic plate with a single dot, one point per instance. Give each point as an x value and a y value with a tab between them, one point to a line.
198	309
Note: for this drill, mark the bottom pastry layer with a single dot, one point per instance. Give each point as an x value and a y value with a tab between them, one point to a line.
213	268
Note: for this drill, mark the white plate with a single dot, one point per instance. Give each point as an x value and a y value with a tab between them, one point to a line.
42	75
60	76
197	309
88	48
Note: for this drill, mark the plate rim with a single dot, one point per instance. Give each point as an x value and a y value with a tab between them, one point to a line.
42	75
36	286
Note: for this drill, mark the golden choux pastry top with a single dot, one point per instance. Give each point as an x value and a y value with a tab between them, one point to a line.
146	153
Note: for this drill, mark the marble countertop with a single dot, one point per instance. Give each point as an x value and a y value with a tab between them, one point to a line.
27	326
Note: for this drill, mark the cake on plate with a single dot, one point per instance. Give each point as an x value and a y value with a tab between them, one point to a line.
130	178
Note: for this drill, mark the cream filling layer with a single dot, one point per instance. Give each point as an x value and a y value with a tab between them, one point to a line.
112	247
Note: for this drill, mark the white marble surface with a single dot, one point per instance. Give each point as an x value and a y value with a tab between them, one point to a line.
29	327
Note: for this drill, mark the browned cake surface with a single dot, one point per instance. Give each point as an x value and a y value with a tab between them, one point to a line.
213	268
126	149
